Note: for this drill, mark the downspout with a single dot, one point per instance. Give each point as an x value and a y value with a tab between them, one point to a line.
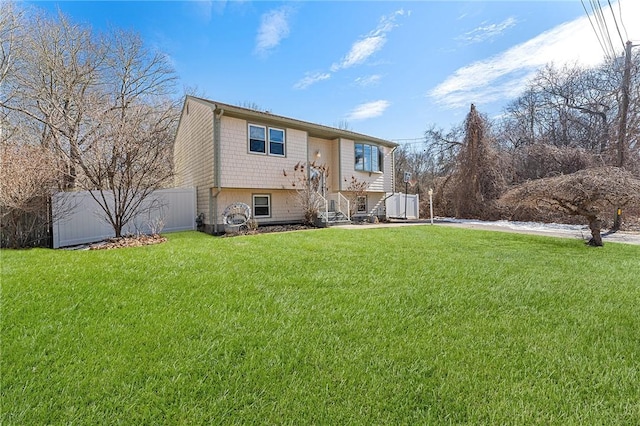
393	169
340	165
213	205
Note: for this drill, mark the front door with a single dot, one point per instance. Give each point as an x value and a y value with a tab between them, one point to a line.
318	180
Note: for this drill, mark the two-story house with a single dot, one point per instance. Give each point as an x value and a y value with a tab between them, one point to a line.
232	154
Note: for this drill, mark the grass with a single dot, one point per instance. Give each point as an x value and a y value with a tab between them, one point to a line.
415	325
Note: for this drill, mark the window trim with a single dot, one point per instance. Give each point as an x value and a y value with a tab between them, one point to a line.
366	164
253	205
266	139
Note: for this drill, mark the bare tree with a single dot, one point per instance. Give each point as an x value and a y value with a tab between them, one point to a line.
424	171
251	105
582	100
307	179
55	85
576	108
102	103
477	180
342	124
128	160
10	38
28	174
130	155
590	193
541	160
355	188
443	147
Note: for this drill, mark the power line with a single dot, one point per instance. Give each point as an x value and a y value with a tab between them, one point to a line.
602	24
594	29
616	22
626	34
409	139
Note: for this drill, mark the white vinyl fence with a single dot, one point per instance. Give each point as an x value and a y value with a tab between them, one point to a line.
80	219
403	206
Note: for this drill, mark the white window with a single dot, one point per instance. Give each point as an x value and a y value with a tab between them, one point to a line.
262	205
257	139
367	158
361	204
266	140
276	142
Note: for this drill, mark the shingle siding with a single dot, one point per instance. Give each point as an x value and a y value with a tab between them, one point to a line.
194	154
377	181
284	206
242	169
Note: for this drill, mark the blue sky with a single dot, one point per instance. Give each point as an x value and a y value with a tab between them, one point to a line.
389	68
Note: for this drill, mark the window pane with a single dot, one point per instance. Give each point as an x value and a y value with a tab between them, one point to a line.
257	142
256	132
261	201
367	157
276	135
276	141
256	146
359	165
361	204
374	159
261	206
276	148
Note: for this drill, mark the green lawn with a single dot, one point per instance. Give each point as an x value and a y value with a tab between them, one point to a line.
414	325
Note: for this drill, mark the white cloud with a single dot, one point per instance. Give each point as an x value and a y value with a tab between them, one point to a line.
311	78
274	26
371	43
487	32
368	110
369	80
506	74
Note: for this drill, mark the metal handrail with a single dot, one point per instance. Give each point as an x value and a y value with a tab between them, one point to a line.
326	206
346	200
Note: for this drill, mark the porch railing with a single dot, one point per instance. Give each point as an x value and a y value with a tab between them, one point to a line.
337	203
324	205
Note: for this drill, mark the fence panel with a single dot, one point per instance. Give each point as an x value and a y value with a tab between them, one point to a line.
403	206
83	221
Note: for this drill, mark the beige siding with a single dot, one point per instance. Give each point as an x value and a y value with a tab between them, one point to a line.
387	167
284	207
378	181
325	148
375	203
336	172
241	169
193	153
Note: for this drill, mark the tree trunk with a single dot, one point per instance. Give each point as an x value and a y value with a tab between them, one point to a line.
596	239
117	228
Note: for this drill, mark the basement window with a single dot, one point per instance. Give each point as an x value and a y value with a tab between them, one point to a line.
261	205
361	204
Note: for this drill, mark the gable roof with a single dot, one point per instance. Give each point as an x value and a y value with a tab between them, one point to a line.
312	129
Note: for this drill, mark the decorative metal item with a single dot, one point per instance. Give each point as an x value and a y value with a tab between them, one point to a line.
236	216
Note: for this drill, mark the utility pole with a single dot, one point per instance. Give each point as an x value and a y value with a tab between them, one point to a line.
622	132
